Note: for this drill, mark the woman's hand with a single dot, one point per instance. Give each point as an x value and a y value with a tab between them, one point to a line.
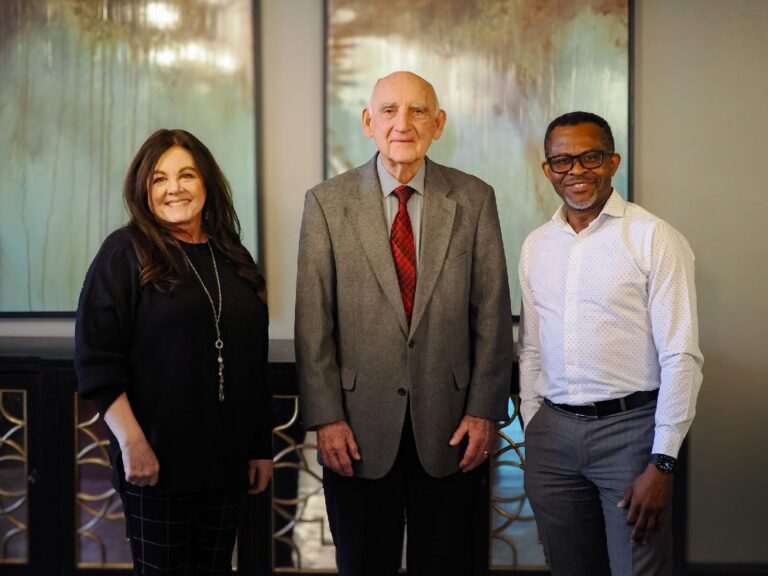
139	460
140	463
259	475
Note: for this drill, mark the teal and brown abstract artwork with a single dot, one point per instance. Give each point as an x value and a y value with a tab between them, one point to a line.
82	84
503	69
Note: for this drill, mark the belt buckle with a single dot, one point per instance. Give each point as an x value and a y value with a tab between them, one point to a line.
594	416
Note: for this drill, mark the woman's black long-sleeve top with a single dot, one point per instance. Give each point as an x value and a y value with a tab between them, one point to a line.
158	347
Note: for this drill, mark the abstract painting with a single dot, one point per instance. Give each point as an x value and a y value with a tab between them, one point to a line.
82	84
503	69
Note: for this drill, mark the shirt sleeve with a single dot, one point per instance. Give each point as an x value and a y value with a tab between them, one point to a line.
261	444
490	319
316	364
105	322
530	364
672	310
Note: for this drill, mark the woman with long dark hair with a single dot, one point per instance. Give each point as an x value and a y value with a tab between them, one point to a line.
171	346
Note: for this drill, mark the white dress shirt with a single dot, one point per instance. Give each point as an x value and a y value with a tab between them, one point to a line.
608	312
388	185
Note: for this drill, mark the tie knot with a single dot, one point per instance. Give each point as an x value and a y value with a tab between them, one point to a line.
403	193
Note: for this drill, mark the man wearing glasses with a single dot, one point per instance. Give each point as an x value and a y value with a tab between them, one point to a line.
610	365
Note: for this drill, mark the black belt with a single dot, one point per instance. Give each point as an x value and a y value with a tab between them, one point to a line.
608	407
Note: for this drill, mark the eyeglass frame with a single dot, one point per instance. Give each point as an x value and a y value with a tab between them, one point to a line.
573	159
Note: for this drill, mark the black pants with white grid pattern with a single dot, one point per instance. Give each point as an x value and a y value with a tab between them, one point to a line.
181	535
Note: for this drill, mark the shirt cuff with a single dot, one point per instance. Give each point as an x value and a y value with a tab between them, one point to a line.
667	441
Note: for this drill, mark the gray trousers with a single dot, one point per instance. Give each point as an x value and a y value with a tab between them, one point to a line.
576	471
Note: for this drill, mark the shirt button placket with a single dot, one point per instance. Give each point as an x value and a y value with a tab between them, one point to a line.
570	309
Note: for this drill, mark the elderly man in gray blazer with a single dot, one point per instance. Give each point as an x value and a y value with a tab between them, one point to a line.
403	341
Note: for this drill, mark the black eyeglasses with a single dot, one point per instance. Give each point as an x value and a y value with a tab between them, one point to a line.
589	159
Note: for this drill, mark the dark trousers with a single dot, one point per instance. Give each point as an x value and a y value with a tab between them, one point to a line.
181	535
367	518
576	471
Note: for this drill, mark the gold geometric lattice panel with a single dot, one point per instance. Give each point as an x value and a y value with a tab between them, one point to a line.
514	539
99	521
301	540
14	505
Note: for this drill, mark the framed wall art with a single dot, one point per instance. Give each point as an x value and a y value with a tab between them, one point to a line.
82	84
503	69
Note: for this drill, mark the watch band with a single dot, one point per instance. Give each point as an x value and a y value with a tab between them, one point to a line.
664	463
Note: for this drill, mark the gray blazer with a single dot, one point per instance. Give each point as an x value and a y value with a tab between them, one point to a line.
355	354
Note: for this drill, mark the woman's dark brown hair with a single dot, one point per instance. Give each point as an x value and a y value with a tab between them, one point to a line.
153	239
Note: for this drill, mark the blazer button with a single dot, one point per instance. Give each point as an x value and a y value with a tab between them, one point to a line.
411	344
401	391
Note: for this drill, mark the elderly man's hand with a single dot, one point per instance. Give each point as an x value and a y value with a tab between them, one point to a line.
646	499
336	443
481	435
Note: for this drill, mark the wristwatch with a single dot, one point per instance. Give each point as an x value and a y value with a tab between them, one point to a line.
664	463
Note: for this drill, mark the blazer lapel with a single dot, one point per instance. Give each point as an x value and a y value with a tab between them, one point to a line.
374	236
437	216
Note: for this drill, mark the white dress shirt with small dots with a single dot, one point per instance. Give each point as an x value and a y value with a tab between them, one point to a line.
608	312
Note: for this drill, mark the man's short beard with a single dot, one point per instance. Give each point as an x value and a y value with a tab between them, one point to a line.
581	205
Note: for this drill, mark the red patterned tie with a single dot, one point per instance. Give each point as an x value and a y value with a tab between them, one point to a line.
403	249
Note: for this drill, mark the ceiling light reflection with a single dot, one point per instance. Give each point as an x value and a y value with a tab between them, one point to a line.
162	15
194	54
226	62
164	57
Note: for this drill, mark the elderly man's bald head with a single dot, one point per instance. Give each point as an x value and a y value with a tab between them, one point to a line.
406	75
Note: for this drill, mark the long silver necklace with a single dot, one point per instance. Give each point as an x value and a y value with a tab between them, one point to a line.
219	344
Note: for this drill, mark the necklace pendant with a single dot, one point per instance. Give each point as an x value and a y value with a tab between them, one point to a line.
221	379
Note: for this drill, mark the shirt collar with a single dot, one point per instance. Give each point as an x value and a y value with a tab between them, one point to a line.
389	182
614	206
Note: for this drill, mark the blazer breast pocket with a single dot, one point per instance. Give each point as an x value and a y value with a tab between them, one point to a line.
458	258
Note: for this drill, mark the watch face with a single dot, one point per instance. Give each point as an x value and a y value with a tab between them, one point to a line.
663	462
